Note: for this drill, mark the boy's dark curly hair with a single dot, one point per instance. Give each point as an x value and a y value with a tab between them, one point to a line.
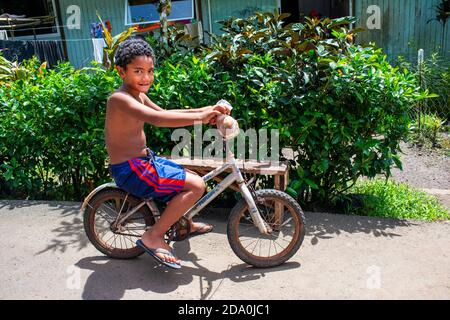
130	48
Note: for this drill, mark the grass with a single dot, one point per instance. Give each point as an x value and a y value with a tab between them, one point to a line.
395	200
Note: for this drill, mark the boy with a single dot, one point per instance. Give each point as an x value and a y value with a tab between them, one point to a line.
135	168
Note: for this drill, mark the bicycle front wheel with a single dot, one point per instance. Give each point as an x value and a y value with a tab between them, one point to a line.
283	214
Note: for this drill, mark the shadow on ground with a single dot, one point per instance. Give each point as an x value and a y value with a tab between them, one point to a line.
319	226
144	273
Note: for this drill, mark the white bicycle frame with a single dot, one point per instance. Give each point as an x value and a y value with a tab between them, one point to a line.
234	176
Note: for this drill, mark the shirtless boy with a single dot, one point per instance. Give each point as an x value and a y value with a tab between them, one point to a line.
134	167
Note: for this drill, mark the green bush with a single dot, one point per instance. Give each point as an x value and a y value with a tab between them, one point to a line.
51	132
396	200
341	107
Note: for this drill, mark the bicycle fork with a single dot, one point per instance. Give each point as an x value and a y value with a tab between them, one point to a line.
235	176
263	227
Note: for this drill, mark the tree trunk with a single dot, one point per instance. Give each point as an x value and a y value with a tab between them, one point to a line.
164	9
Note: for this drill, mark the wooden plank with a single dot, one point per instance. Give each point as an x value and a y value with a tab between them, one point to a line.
277	182
248	166
280	171
278	216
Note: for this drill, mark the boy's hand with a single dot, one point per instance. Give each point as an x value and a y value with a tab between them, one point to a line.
209	116
222	109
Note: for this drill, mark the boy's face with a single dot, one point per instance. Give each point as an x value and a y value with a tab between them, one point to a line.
138	74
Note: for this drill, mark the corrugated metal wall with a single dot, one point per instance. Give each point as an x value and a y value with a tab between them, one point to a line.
404	28
221	9
79	43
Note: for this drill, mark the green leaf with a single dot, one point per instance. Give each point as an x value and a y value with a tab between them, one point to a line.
291	192
312	184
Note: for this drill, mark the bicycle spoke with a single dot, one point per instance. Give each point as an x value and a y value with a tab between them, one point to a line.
255	245
279	245
112	235
260	244
113	213
271	242
287	221
115	239
250	244
267	245
105	213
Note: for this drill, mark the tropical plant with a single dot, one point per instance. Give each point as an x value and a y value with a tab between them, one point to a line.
51	132
178	42
112	43
11	71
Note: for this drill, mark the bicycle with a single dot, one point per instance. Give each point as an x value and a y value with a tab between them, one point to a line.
263	220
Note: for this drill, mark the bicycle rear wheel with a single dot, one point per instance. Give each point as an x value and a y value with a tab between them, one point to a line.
282	213
116	241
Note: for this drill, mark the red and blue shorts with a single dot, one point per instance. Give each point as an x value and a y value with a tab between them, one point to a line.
149	177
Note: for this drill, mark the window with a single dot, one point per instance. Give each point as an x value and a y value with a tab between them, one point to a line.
37	17
145	11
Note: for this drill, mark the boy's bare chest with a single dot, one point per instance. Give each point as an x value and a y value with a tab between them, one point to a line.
119	124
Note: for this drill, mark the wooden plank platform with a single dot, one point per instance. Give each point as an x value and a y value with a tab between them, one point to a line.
280	170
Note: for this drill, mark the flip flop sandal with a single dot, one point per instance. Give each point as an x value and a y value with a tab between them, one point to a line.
153	253
204	228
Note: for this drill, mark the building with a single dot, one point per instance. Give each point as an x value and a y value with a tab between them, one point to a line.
64	28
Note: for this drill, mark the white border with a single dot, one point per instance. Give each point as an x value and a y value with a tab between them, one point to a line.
154	21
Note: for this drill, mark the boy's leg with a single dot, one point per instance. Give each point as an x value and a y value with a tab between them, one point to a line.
193	189
196	226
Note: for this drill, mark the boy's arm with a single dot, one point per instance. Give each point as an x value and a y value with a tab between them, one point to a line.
153	105
159	118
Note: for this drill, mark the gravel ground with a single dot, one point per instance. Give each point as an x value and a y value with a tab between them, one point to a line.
425	169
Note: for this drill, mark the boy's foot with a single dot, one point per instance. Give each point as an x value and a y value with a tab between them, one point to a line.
198	228
159	254
155	245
